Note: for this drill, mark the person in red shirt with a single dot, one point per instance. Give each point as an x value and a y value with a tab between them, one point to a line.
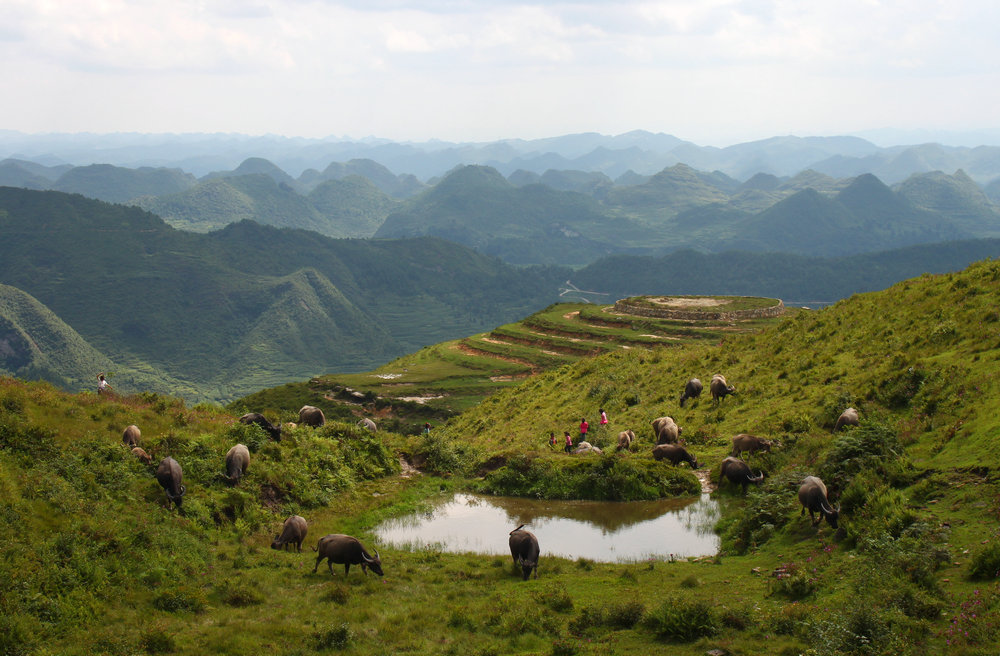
584	427
604	418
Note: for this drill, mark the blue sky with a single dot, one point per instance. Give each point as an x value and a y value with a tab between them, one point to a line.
712	71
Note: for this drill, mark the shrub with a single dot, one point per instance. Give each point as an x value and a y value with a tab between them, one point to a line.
681	620
625	614
336	637
985	565
180	599
157	641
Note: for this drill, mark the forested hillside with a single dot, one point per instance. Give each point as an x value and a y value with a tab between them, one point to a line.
248	306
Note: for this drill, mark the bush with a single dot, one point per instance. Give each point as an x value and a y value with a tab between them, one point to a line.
157	641
681	620
180	599
985	565
336	637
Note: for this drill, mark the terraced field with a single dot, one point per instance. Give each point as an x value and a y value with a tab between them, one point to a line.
441	380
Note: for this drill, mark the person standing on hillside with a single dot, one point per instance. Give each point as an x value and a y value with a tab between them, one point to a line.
584	427
102	385
569	442
604	418
552	439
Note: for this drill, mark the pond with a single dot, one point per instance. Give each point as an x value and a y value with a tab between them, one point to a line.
601	531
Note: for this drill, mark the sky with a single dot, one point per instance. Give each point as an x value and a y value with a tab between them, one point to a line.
714	72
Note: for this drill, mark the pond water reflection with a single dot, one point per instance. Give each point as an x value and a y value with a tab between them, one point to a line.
597	530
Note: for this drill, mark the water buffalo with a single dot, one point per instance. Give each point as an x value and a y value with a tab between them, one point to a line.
692	390
812	496
751	443
131	436
738	472
260	420
847	418
666	430
293	531
524	551
169	475
719	388
311	416
141	454
339	548
675	453
237	462
365	422
625	439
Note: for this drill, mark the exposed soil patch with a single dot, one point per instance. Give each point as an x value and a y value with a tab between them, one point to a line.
419	399
676	301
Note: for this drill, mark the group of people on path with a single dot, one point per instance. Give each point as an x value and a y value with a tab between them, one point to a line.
584	429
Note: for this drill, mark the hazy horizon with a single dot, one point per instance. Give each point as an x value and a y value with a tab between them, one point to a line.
715	72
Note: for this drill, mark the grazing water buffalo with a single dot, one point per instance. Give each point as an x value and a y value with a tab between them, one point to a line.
339	548
719	388
365	422
260	420
738	472
675	453
625	439
311	416
292	532
141	454
692	390
751	443
131	436
169	475
524	551
848	417
812	496
666	430
237	462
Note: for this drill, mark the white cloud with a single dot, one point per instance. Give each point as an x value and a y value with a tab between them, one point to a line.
440	67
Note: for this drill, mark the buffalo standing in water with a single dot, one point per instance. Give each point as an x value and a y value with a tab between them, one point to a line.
524	551
339	548
169	476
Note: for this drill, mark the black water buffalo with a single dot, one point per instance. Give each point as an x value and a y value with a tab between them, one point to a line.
365	422
666	430
524	551
625	439
812	496
261	420
847	418
311	416
675	453
169	476
141	454
237	462
131	435
720	388
738	472
692	390
293	531
751	443
339	548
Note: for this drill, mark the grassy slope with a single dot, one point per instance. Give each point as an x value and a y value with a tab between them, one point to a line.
918	360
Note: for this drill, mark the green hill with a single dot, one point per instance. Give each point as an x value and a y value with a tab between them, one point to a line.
116	184
36	344
93	563
955	197
248	306
477	207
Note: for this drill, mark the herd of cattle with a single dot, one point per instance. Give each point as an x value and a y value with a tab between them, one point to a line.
524	549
